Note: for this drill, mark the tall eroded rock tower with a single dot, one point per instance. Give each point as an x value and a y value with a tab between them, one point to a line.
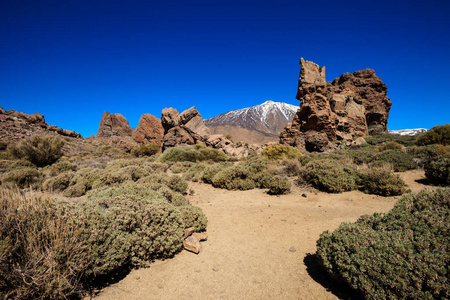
350	106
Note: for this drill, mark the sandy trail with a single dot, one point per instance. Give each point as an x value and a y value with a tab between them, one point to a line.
256	246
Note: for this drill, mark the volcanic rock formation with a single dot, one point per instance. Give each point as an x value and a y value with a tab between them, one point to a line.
113	125
15	125
187	128
149	130
350	106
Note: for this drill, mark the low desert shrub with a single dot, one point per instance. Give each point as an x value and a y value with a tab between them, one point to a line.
130	225
41	255
60	167
436	135
193	216
181	153
76	190
212	154
59	182
400	161
145	150
329	176
400	255
381	181
390	146
291	167
278	151
23	177
233	178
278	185
437	170
39	150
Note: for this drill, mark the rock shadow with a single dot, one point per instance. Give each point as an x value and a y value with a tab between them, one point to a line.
340	290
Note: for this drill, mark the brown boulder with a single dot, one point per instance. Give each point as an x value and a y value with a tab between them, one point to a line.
170	118
114	125
149	130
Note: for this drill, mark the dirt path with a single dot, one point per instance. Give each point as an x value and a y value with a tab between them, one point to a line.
256	246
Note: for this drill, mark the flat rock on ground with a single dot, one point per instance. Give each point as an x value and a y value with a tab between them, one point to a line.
248	254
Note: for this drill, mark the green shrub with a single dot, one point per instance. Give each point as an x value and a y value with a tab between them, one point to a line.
330	176
278	151
399	160
211	171
41	256
292	167
361	156
39	150
278	185
130	224
438	170
400	255
145	150
390	146
76	190
60	167
22	177
436	135
233	178
181	153
193	217
213	154
59	182
380	138
381	181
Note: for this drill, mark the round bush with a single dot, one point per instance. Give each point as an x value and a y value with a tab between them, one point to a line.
278	185
22	177
400	255
438	170
329	176
436	135
193	217
39	150
145	150
381	181
278	151
233	178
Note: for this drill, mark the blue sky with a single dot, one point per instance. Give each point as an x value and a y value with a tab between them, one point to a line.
72	60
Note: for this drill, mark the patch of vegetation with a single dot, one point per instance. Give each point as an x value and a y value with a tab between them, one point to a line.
39	150
400	255
381	181
233	178
41	255
437	170
330	176
390	146
23	177
436	135
400	161
193	216
278	152
193	154
145	150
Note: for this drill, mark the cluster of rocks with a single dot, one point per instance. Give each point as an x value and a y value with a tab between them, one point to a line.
192	240
353	105
173	129
16	125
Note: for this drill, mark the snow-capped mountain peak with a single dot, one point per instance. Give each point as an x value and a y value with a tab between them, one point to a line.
268	118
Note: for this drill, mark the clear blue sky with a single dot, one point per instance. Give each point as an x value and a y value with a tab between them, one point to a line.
72	60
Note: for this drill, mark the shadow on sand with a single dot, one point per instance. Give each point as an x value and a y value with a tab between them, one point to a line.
317	273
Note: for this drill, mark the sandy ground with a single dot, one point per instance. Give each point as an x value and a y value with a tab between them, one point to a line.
258	247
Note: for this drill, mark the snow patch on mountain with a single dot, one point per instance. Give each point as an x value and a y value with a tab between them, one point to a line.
408	131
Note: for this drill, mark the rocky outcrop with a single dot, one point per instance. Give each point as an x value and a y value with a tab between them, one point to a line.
15	125
350	106
187	128
113	125
149	130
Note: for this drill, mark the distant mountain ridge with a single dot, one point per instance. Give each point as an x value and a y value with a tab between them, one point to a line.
408	131
268	118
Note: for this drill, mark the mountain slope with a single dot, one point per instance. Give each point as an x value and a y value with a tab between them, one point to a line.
267	119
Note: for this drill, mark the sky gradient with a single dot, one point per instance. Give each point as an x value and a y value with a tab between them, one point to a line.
72	60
